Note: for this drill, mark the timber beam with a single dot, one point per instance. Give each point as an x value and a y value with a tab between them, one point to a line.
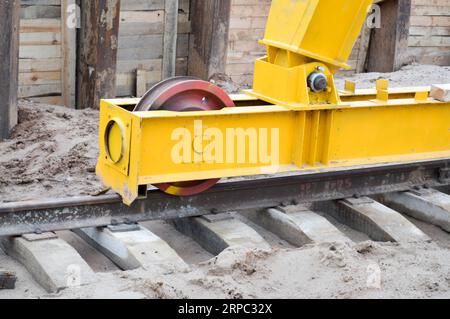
97	52
210	29
389	43
9	65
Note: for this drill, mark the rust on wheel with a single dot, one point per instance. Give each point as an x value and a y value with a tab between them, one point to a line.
184	94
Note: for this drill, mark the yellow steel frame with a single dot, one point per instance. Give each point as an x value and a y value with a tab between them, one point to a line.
359	133
283	124
303	37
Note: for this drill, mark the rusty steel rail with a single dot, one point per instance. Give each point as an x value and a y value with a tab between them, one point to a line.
87	211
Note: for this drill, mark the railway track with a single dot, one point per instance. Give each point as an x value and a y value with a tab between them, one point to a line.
230	195
371	201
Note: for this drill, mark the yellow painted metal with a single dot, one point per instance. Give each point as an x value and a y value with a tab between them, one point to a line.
322	30
243	99
281	125
110	168
348	95
275	139
393	93
303	37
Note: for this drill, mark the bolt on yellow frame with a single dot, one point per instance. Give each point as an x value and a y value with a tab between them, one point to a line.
280	125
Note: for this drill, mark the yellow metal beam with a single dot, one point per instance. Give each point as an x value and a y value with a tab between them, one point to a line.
305	39
163	146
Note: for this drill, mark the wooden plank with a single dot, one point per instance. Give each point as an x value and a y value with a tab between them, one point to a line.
441	92
142	17
9	65
40	25
40	38
364	43
69	38
39	65
39	90
433	41
430	31
142	5
39	78
130	27
53	100
210	31
41	2
149	5
39	51
153	41
40	11
430	10
127	77
431	21
443	3
389	44
97	52
141	82
170	38
132	65
148	47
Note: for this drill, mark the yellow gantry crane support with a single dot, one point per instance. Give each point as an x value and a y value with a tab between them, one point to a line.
307	42
293	119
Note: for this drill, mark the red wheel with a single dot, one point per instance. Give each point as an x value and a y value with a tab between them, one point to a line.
183	94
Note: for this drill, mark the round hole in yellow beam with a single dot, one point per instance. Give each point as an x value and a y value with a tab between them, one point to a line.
114	141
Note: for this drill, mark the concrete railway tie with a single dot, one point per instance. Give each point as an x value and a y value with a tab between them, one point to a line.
57	265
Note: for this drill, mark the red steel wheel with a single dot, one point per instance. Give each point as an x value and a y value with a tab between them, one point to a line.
184	94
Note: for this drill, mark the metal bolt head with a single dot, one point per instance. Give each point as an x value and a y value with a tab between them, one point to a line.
320	68
317	82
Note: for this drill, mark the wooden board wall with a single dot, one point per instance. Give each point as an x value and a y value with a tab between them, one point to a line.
247	25
141	43
44	76
429	40
40	53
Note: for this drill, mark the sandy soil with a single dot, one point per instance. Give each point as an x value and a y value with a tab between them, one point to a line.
327	271
332	270
53	152
410	75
